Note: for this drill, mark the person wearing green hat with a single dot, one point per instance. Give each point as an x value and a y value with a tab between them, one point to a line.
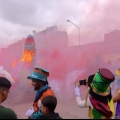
99	97
40	83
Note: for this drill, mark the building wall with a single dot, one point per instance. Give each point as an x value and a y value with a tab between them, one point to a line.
51	38
111	42
112	37
48	39
12	53
43	40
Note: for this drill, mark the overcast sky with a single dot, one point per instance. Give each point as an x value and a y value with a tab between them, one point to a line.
94	17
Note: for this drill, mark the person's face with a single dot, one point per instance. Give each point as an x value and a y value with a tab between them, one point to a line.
44	110
4	94
36	84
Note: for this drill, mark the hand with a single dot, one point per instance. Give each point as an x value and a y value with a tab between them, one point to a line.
35	109
29	112
77	83
86	81
77	91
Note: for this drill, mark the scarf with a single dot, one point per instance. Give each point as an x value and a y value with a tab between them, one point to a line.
103	107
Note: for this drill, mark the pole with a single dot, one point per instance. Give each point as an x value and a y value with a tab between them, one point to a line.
78	29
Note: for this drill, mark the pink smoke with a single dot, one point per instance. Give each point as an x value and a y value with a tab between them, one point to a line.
68	64
97	18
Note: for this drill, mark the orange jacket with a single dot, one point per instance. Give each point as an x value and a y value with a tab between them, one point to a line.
37	104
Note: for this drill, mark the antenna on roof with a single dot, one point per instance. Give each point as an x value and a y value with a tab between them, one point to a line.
34	32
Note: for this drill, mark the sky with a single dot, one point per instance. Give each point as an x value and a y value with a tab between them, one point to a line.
18	18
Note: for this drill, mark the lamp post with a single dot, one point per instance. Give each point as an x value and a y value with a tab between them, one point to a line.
78	29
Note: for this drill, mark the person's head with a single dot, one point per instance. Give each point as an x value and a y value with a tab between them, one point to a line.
117	74
37	84
39	78
102	79
49	104
90	79
4	88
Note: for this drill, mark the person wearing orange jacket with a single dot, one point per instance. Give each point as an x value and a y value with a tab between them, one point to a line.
40	83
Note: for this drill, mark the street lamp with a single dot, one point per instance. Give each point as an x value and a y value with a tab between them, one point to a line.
78	29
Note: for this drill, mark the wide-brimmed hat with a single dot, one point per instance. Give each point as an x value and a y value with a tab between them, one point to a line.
39	74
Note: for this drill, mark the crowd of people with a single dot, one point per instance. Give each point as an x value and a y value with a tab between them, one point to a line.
99	98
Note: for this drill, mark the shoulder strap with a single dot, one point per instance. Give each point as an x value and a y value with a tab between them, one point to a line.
86	97
89	110
41	93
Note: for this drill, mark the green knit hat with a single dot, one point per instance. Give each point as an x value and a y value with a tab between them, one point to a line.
103	79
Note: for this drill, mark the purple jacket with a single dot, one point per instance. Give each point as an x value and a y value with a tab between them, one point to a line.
118	110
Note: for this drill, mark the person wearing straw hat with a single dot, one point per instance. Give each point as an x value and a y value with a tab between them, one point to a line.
40	83
116	96
98	98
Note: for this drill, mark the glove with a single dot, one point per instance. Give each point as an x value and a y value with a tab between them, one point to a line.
29	112
77	91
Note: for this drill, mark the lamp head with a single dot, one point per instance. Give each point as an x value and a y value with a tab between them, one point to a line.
68	21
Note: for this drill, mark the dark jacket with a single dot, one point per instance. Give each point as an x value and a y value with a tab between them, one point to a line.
52	115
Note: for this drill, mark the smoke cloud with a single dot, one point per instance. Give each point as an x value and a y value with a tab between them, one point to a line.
94	18
4	73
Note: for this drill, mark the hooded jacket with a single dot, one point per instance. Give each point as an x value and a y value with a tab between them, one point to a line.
52	115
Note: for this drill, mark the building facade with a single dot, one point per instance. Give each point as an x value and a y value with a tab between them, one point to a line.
44	40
